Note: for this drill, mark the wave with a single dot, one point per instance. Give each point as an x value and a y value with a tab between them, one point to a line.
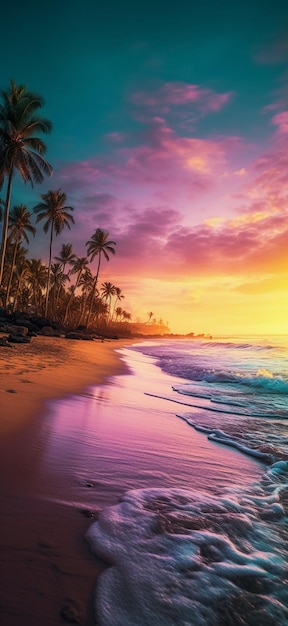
219	436
180	556
230	344
263	379
247	411
236	346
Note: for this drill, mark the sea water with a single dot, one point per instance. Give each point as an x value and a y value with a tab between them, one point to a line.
197	551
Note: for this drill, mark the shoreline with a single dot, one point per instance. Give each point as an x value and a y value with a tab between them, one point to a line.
48	572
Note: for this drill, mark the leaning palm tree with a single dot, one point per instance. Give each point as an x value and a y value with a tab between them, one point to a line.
19	225
98	245
78	267
21	150
57	216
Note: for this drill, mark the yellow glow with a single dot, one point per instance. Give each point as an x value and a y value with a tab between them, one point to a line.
219	306
214	222
197	163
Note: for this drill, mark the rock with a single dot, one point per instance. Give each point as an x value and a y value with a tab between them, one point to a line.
87	513
25	321
76	335
14	329
70	612
18	339
47	331
4	342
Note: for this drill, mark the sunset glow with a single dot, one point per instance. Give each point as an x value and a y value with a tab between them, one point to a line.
174	140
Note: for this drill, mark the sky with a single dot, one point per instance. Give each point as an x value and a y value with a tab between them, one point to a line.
170	131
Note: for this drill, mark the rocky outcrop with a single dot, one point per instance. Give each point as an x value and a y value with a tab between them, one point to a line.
14	329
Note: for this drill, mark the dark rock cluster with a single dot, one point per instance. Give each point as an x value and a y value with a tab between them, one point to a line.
20	327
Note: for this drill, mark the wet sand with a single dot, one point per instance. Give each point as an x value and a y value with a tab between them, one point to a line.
47	572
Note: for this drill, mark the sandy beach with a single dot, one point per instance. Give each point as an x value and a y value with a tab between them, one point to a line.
47	571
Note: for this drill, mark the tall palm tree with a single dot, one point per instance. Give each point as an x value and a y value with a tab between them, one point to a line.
20	225
98	245
21	150
57	216
78	267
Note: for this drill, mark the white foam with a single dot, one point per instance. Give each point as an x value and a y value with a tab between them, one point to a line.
181	557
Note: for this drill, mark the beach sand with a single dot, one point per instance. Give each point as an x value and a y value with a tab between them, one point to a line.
47	572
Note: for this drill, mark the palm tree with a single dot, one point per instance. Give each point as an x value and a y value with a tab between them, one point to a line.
21	150
108	290
66	256
57	282
127	317
78	267
37	280
20	224
22	275
119	312
98	245
57	216
119	296
150	315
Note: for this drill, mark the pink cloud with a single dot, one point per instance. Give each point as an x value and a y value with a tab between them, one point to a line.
281	121
162	163
177	94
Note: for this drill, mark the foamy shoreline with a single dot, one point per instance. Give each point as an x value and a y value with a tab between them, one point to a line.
47	568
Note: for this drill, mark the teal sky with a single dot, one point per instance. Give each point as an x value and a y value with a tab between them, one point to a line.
163	116
87	60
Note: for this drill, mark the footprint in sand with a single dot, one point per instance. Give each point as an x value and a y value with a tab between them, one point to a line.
11	390
25	380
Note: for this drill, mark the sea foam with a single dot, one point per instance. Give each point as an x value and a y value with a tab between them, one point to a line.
185	557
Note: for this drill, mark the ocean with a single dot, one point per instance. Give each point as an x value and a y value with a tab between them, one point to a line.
187	458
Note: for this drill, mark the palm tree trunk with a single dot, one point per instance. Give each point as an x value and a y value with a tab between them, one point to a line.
12	271
6	223
49	271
